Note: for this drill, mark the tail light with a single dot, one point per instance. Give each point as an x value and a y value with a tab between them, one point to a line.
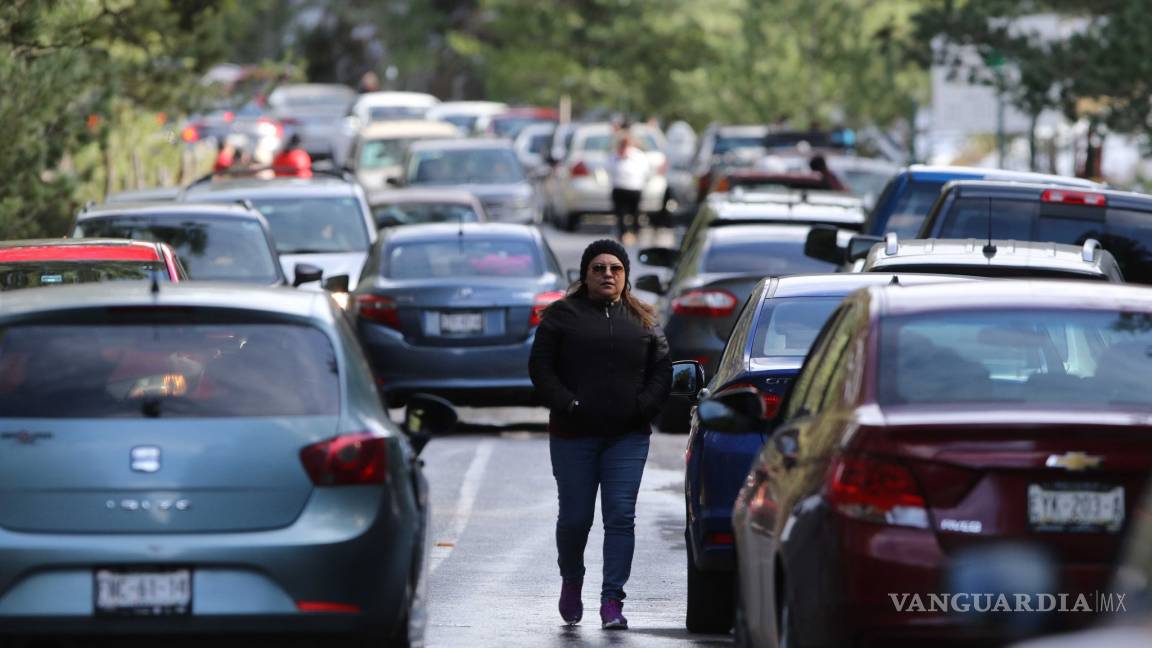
347	460
876	490
229	116
1074	198
190	134
379	309
719	539
542	301
580	170
704	184
762	508
723	185
705	303
771	401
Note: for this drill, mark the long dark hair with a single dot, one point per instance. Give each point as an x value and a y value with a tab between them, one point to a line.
643	313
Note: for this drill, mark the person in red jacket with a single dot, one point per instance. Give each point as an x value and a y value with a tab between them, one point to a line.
293	160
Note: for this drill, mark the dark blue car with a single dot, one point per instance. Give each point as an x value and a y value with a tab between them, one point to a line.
765	352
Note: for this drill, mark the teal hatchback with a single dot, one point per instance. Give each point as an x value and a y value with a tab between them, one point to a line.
201	459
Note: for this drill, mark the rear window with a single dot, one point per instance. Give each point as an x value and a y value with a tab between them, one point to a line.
32	274
210	249
467	258
378	153
788	326
1126	233
911	209
768	258
1100	358
464	166
412	213
166	370
726	144
315	225
386	113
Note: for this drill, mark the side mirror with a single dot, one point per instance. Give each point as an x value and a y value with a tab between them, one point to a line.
861	245
821	244
337	283
687	378
305	273
428	416
736	411
651	283
394	182
573	275
659	257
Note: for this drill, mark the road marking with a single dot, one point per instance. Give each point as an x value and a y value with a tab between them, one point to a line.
469	486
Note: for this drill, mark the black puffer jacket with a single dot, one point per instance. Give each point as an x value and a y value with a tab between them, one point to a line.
601	356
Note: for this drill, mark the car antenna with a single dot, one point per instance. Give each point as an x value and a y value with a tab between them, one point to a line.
989	249
155	288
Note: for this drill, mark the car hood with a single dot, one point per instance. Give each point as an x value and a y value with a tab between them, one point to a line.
332	263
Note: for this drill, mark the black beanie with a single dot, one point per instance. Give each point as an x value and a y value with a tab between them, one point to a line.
603	246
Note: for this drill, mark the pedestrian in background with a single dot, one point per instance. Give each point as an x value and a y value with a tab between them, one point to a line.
293	160
630	171
600	363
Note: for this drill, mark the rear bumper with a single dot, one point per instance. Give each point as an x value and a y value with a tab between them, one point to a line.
590	196
466	375
247	581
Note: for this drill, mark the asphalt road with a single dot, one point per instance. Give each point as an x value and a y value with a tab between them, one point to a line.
494	580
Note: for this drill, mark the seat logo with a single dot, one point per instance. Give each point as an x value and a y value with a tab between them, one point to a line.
145	459
1073	461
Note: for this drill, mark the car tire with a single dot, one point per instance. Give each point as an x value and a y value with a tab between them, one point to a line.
710	601
572	221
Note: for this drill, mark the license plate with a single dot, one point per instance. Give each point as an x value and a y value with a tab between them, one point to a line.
461	323
143	593
1075	508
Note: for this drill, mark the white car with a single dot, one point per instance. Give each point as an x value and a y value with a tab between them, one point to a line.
532	143
581	183
377	153
470	117
373	107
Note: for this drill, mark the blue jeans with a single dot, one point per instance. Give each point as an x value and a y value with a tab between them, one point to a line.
615	466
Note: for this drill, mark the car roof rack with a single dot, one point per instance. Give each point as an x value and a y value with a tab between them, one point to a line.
1088	252
891	243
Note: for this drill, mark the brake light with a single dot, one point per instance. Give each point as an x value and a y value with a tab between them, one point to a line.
347	460
190	134
876	490
1074	198
327	607
540	302
580	170
771	401
705	303
379	309
723	185
762	509
719	539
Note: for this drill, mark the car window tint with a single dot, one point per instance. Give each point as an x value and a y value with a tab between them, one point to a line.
969	218
798	398
214	249
166	370
466	258
378	153
32	274
732	359
411	213
825	369
315	225
789	326
1100	358
908	214
1130	241
766	257
469	166
385	113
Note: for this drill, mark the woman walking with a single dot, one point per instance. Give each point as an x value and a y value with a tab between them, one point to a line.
600	363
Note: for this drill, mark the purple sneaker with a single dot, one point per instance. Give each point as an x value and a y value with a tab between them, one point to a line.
612	615
571	607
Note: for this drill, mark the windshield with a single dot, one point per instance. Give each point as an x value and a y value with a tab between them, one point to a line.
166	370
768	258
385	113
214	249
32	274
315	225
1126	233
910	210
788	326
510	127
375	154
464	122
1099	358
411	213
463	258
464	166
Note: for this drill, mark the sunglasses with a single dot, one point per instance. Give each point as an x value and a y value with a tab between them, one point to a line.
601	268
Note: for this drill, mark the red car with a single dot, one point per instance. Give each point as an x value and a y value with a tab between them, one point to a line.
932	421
49	262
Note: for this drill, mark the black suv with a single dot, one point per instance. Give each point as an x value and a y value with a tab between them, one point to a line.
1120	220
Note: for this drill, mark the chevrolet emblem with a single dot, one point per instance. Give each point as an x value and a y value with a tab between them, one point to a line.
1073	461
